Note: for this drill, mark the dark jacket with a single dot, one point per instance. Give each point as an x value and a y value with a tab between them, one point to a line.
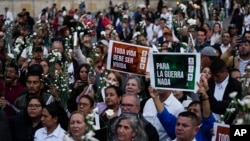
219	107
4	127
22	100
22	130
149	129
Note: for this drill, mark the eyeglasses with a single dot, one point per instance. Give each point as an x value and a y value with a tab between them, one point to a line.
127	105
34	105
83	104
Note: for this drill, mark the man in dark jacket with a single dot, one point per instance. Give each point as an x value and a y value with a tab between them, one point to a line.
220	87
4	127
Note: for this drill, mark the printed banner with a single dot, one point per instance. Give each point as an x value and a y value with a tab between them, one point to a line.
221	132
175	71
128	58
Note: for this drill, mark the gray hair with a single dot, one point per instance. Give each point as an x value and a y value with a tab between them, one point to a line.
135	123
138	80
136	97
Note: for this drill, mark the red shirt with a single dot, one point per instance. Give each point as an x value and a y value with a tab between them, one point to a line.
11	94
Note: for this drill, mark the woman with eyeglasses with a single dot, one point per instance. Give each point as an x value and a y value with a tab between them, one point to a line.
85	104
55	122
24	125
128	127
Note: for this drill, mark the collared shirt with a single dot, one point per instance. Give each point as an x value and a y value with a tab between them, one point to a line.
215	38
28	52
219	92
224	48
242	65
150	32
56	135
150	114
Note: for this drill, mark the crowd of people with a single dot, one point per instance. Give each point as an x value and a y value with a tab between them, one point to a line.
55	84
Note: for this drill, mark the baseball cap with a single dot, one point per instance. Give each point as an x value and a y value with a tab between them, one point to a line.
71	11
167	31
232	26
104	42
208	51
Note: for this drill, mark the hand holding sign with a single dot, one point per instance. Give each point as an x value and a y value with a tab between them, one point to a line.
152	92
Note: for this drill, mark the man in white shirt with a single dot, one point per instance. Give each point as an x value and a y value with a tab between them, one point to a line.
172	104
8	15
27	52
220	86
225	44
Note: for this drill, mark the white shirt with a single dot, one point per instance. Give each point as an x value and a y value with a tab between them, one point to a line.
9	16
160	33
215	38
173	106
71	73
76	17
56	135
247	21
28	52
219	92
168	18
242	65
227	4
224	48
150	32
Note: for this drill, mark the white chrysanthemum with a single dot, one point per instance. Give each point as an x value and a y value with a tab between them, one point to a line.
52	59
191	22
11	55
246	102
232	109
183	7
95	110
90	134
110	112
17	50
241	102
91	115
103	33
20	41
233	94
81	34
239	121
90	122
